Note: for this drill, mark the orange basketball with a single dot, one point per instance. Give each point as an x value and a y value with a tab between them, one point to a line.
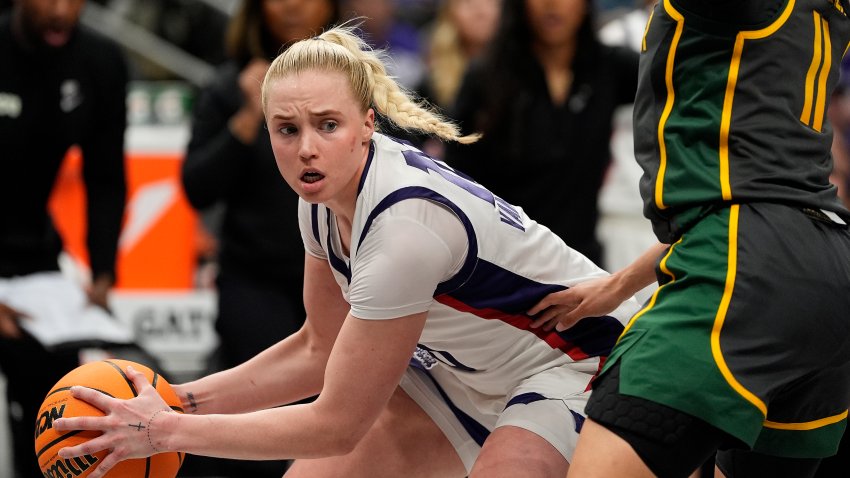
107	376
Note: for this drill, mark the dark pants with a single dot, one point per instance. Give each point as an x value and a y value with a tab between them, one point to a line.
30	372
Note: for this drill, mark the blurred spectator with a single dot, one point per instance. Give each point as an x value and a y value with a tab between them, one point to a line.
383	28
60	85
544	96
623	230
461	31
839	117
419	13
607	6
229	163
841	162
193	26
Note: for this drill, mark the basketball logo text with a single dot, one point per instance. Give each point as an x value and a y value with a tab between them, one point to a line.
45	421
424	358
70	467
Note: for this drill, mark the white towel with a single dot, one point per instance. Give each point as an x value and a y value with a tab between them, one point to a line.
59	313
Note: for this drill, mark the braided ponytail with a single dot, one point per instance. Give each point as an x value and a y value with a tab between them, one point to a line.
340	49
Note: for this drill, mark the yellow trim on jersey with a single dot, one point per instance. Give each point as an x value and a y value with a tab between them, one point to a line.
731	82
806	425
731	269
646	30
817	125
651	303
806	115
821	59
668	106
726	118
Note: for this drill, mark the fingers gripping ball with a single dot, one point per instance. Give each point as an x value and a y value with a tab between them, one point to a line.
107	377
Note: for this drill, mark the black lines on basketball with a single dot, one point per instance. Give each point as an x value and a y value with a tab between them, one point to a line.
57	440
126	378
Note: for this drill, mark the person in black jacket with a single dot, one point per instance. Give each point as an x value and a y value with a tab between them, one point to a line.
60	85
229	164
544	96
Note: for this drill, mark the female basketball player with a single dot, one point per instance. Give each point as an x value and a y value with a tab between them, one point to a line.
743	347
417	280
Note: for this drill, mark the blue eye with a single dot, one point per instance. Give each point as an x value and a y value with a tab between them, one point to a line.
330	126
287	130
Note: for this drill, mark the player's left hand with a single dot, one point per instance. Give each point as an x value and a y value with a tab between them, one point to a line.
563	309
134	428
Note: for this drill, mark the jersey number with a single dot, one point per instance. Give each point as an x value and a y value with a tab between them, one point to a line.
419	160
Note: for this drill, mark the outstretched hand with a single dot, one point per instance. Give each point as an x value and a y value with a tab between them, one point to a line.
9	326
563	309
134	428
98	291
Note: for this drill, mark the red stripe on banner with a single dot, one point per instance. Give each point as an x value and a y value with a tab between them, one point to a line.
520	321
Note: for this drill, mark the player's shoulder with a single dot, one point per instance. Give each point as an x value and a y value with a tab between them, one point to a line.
390	152
391	144
312	219
5	31
5	24
746	14
101	59
308	210
98	45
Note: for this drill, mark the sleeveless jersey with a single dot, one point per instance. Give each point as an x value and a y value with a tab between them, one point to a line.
476	325
728	124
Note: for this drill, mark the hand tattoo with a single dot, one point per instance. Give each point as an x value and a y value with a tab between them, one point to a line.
192	402
150	441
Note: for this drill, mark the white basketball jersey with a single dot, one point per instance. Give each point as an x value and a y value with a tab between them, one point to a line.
476	326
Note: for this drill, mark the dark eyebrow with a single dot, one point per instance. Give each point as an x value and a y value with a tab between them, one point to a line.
320	113
282	116
325	113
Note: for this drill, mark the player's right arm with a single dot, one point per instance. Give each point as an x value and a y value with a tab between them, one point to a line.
290	370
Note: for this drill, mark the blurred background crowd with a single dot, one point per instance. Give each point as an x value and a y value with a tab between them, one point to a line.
549	82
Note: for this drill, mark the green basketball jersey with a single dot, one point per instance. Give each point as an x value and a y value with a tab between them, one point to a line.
727	123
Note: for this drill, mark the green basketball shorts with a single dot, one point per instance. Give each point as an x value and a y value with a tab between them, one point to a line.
750	329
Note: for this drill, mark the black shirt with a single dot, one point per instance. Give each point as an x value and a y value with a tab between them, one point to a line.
732	108
549	159
260	238
49	101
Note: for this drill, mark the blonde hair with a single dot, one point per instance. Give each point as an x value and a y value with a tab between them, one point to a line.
447	57
341	50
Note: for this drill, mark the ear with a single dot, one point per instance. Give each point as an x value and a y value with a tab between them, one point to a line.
368	125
